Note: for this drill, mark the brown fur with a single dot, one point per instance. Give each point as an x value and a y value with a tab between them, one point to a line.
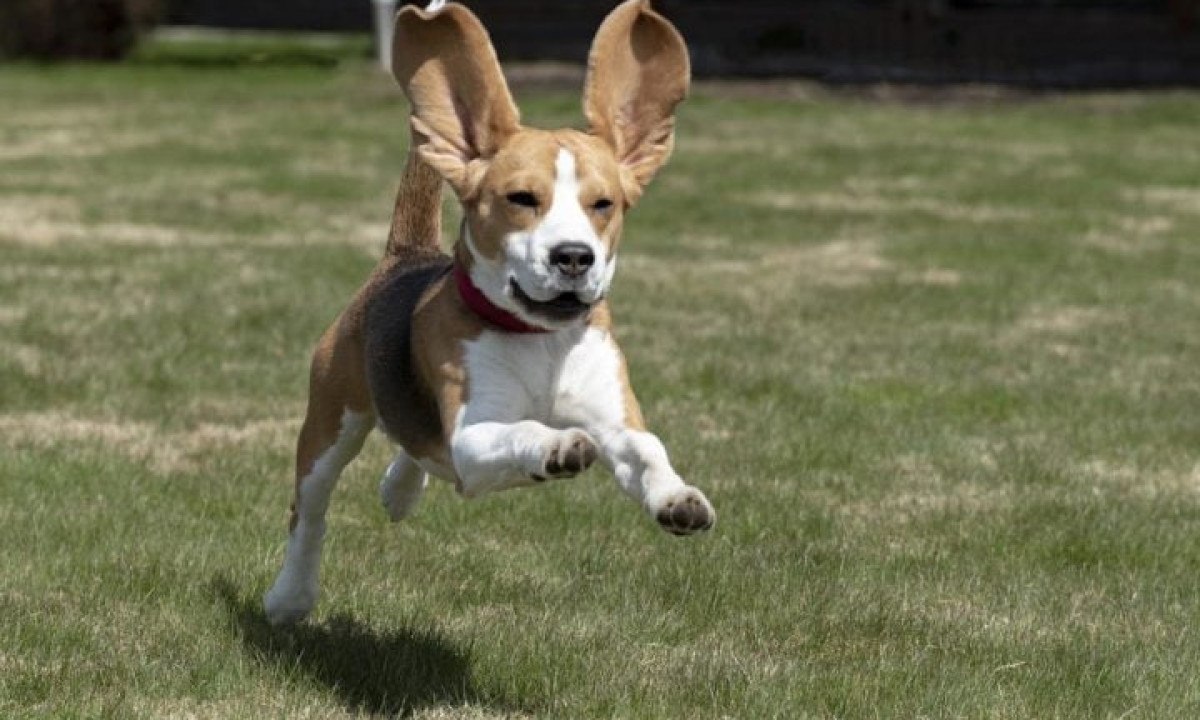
336	383
448	69
440	326
417	217
638	71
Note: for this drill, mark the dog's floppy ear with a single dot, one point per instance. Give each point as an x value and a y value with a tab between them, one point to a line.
638	71
461	108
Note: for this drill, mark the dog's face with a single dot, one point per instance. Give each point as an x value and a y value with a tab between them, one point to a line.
544	223
543	210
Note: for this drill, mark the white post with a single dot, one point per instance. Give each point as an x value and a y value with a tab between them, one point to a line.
385	16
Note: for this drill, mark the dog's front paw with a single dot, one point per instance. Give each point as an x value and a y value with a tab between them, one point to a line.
684	511
570	453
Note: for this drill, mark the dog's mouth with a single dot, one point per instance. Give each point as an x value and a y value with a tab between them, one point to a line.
562	308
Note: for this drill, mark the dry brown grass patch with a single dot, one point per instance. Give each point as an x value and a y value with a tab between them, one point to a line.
921	491
1182	199
934	277
1068	320
869	201
1131	235
1142	483
1057	327
165	452
44	221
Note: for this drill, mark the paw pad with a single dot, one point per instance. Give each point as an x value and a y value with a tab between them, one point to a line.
573	453
686	513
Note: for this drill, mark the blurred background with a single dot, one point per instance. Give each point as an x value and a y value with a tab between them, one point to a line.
1055	43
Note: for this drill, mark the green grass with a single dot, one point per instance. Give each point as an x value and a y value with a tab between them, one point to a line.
935	365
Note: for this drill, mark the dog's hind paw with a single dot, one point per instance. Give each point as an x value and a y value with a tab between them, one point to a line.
286	605
401	488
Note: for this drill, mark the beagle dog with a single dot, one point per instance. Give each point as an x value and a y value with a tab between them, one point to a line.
495	367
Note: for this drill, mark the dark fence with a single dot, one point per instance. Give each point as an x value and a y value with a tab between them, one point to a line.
314	15
1036	42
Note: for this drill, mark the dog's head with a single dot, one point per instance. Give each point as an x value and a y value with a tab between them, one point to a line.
543	209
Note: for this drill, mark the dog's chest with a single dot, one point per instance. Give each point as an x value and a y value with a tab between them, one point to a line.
561	379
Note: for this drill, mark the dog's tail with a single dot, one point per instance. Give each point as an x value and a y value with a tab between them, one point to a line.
417	219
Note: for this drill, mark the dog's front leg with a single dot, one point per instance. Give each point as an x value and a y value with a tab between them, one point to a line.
491	456
641	467
595	395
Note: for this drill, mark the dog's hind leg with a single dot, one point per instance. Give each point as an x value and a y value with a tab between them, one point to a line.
295	591
402	486
336	424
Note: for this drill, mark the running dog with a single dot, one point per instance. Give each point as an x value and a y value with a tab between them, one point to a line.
495	367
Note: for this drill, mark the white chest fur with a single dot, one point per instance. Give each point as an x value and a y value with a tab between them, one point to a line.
531	396
562	379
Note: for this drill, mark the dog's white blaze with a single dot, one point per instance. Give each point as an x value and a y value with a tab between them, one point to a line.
294	593
566	220
527	390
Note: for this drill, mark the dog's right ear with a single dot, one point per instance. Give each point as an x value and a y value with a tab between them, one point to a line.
462	111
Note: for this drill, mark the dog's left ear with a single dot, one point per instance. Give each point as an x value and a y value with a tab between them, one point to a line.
638	71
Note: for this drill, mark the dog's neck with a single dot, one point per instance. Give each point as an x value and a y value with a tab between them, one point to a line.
488	311
478	303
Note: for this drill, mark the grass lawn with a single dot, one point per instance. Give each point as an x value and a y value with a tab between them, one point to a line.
937	366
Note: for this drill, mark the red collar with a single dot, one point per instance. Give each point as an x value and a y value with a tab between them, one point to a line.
486	309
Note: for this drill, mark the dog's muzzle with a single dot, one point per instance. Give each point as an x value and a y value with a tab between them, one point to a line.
561	308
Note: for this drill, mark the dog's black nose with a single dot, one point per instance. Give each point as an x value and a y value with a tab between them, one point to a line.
572	259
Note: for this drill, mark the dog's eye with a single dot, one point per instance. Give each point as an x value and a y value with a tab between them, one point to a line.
602	204
524	199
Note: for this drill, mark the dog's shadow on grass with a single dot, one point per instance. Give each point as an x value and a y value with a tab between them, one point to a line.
389	673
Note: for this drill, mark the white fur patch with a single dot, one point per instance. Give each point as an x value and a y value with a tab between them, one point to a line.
295	591
589	391
528	389
501	433
564	379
